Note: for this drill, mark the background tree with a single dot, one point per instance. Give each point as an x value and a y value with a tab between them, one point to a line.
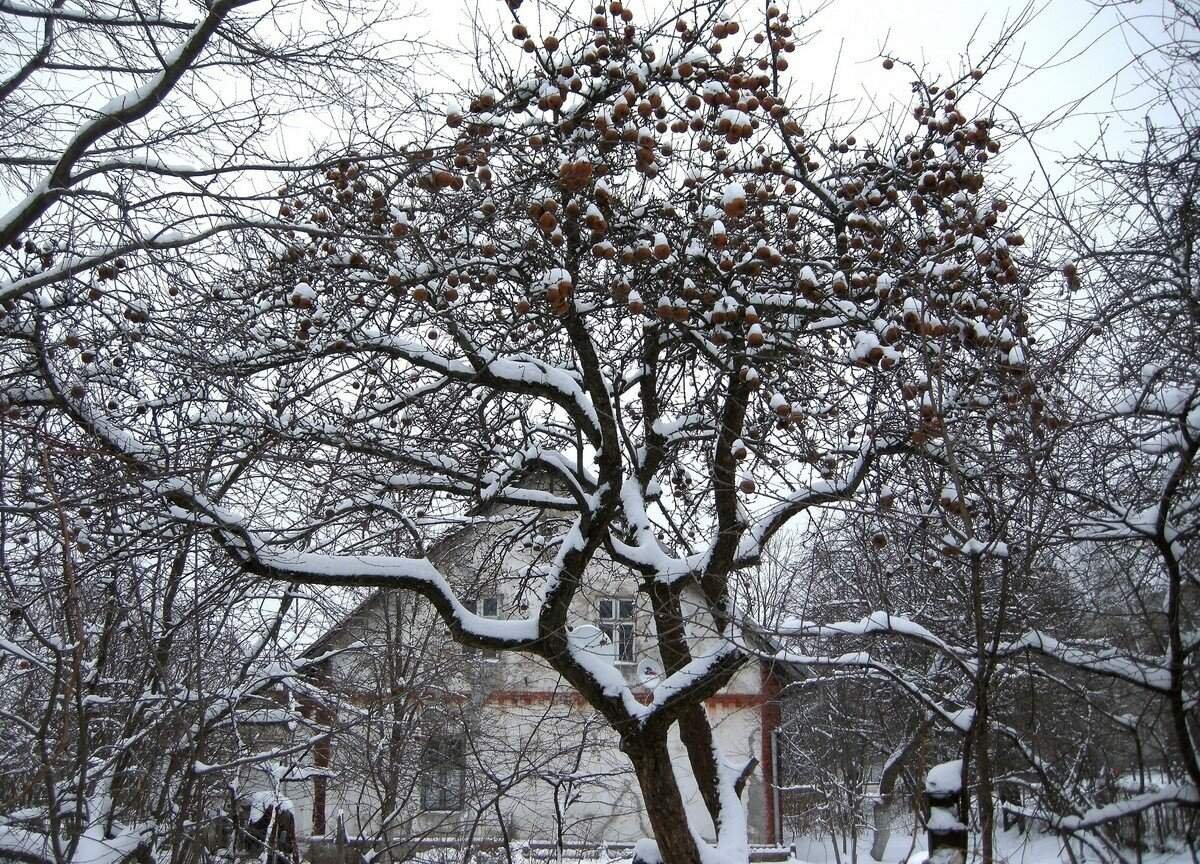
1129	295
1076	637
131	133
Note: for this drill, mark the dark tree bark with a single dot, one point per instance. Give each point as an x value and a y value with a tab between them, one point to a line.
664	803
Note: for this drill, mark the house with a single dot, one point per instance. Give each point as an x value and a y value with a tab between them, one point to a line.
431	742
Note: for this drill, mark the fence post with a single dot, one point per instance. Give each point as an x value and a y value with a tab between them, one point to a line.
943	804
343	853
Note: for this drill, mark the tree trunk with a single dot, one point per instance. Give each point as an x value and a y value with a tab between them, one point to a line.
885	808
664	804
980	731
882	816
695	730
983	769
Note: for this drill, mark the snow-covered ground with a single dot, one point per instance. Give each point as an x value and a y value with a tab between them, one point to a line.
904	847
1013	847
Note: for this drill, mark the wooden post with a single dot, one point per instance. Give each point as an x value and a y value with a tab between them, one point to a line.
943	804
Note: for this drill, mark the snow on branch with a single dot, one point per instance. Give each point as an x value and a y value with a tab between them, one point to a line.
1171	793
164	241
9	647
498	484
960	719
1150	673
117	113
877	623
201	768
376	571
26	10
821	492
20	844
516	374
646	552
704	675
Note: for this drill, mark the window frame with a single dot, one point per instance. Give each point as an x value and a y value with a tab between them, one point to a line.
620	629
443	781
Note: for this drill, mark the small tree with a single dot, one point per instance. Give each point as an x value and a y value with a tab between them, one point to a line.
1072	646
131	133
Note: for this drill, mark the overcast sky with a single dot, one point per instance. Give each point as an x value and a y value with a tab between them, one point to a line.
1069	50
1071	53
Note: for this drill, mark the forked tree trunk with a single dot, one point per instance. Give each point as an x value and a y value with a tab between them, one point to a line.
889	804
695	730
664	803
882	815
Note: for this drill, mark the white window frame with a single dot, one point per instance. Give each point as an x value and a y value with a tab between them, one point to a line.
618	617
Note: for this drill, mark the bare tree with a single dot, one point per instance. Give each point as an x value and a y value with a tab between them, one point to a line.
131	661
133	132
1128	233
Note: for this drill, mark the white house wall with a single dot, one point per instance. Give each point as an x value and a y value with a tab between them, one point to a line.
606	809
512	693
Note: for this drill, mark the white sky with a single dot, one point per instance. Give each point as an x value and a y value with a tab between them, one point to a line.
1070	50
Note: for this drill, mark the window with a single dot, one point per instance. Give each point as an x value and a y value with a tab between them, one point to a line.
484	607
443	773
616	622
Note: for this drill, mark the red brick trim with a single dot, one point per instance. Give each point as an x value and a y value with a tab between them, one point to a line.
535	697
771	712
541	697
